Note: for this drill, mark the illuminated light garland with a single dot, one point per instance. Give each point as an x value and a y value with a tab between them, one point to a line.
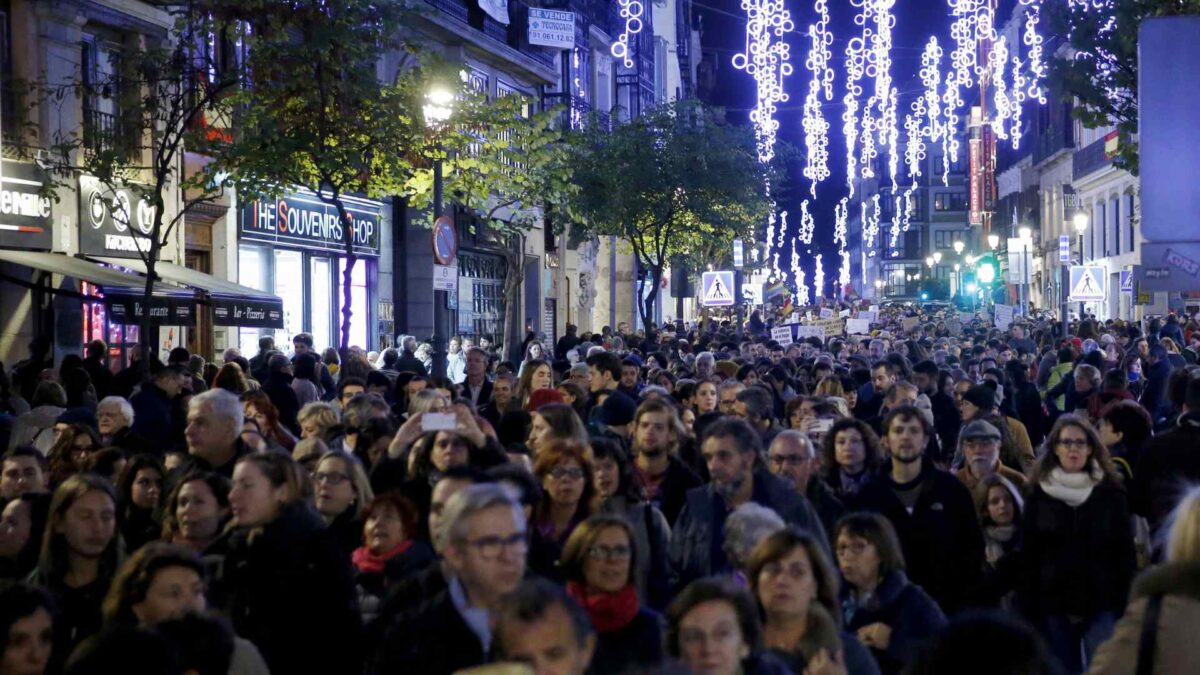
931	79
1037	66
871	222
803	297
895	228
580	90
856	69
997	61
841	214
951	102
631	11
766	60
783	225
818	277
963	59
816	127
807	224
908	193
1019	98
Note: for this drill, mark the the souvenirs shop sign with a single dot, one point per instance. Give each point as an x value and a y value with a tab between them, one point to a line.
116	224
24	212
301	219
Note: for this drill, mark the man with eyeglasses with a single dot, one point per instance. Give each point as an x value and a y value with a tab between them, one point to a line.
793	458
731	450
482	538
979	443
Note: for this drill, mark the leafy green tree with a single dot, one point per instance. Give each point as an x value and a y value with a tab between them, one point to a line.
1100	68
676	183
167	91
513	170
316	112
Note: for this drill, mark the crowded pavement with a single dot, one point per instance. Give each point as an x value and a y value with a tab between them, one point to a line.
683	499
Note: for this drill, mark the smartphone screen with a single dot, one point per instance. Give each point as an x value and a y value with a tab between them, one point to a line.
432	421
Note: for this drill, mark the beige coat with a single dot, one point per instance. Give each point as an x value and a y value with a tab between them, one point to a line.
1176	652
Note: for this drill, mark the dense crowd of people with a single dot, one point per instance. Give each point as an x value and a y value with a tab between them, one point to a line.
940	496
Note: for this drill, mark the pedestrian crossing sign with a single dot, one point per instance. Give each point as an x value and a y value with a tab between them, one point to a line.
717	289
1087	283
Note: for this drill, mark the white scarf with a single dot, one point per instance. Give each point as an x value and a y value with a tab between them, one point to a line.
1071	488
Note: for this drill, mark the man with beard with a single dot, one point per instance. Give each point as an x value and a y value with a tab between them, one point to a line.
730	449
931	510
979	443
657	431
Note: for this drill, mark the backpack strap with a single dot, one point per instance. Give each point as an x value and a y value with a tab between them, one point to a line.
1149	639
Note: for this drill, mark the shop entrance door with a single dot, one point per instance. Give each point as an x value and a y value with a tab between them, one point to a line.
200	336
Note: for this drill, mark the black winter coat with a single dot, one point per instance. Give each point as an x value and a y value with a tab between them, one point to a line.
905	608
431	641
1166	464
278	388
942	542
1076	560
638	647
288	590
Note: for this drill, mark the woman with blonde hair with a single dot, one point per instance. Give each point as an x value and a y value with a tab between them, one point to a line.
830	385
343	491
1167	596
318	420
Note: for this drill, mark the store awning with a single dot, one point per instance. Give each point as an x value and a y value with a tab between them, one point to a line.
122	292
233	304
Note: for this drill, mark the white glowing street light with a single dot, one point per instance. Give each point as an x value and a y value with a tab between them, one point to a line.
1025	233
959	246
1081	223
937	257
993	241
929	261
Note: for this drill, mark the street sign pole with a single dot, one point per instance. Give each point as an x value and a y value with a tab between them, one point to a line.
1064	259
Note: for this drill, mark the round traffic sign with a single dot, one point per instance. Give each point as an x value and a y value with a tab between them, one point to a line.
445	241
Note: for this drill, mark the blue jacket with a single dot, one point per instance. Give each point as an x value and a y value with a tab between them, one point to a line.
902	606
698	538
152	415
1154	396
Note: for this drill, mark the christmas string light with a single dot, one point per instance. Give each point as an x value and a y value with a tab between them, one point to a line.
1037	66
807	224
818	277
766	59
856	69
631	11
816	127
840	217
1019	98
997	60
802	293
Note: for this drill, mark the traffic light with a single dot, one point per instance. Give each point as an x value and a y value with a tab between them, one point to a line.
987	270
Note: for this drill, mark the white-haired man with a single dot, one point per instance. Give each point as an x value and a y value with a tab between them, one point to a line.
114	420
213	434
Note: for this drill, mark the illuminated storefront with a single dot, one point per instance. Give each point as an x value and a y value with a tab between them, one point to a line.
293	247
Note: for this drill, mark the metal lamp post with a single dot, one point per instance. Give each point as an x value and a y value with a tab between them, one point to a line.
439	106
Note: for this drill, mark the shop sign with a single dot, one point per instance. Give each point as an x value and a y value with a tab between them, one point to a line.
116	224
300	219
247	313
128	310
24	213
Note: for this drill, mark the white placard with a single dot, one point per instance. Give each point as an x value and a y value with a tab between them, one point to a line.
1004	316
782	335
826	313
803	332
858	326
445	277
844	314
871	316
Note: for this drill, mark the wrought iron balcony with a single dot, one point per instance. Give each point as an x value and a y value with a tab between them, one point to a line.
1090	159
102	132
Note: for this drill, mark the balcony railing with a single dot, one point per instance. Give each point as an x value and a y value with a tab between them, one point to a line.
1090	159
514	35
577	112
102	132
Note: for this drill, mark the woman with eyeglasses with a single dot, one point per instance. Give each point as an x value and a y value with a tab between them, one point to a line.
140	500
714	629
598	562
343	491
1079	557
284	584
889	614
797	589
567	475
72	448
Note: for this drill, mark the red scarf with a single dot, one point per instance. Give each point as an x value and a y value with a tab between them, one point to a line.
609	611
365	561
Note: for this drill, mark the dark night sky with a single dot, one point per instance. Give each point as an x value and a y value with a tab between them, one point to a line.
724	32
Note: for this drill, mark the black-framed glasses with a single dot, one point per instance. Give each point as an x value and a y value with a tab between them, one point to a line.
602	552
331	477
490	547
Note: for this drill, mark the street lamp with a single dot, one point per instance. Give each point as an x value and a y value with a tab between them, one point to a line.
959	246
929	261
993	241
937	257
878	287
438	108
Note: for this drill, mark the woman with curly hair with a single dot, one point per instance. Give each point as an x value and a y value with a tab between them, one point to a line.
849	457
